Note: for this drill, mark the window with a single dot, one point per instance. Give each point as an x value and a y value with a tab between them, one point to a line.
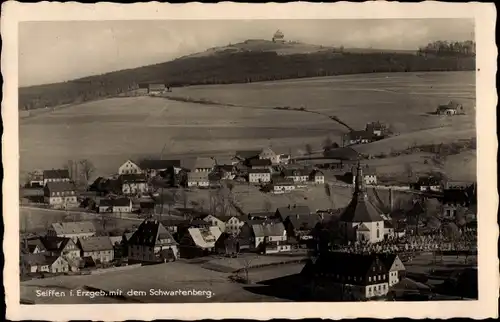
369	278
383	276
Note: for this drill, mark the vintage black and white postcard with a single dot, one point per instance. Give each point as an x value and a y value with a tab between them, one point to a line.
253	161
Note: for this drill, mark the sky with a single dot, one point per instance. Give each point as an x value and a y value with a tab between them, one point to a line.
52	52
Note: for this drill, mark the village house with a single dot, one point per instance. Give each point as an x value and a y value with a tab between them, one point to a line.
133	184
282	185
284	159
317	177
204	165
264	237
262	215
116	205
99	248
129	167
152	168
296	175
227	244
216	221
55	175
458	185
259	175
457	201
198	179
246	156
226	171
369	176
233	225
198	242
33	245
73	230
357	137
61	246
300	227
40	263
395	267
152	243
36	179
260	164
378	129
60	194
361	220
282	213
269	154
429	184
348	276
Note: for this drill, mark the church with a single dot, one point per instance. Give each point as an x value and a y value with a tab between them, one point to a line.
361	220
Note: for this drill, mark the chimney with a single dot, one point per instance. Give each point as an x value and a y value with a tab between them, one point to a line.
289	207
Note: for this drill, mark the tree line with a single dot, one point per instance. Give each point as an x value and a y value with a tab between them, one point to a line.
449	48
229	68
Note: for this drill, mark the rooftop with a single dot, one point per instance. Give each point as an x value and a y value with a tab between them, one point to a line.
117	202
60	186
56	174
151	233
159	164
83	227
95	243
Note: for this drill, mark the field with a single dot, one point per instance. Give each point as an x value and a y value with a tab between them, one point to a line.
171	277
110	131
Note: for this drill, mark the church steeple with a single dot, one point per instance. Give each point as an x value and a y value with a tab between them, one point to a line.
360	189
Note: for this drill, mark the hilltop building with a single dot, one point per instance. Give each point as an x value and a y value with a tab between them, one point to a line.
279	37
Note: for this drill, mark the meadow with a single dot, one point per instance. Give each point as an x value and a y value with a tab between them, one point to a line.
108	132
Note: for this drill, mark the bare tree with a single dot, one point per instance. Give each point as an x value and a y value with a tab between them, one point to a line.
267	205
183	197
247	262
328	193
87	169
221	201
309	149
327	144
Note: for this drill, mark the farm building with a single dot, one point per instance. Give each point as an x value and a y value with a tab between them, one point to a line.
358	137
317	176
264	237
282	185
376	128
155	167
452	108
36	179
156	88
60	194
36	263
260	163
297	175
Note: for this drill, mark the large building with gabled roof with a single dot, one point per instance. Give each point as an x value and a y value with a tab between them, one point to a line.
361	220
152	243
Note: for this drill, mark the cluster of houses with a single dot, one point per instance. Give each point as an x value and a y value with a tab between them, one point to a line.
373	131
450	109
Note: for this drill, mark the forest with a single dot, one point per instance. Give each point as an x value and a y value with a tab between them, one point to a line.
246	67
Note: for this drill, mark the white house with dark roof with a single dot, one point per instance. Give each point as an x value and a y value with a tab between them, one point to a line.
154	167
317	177
216	221
129	167
117	205
199	241
55	175
198	179
259	175
99	248
36	263
202	164
268	154
282	185
264	236
233	225
260	164
395	267
369	175
283	212
361	220
60	194
152	243
73	230
133	183
297	175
